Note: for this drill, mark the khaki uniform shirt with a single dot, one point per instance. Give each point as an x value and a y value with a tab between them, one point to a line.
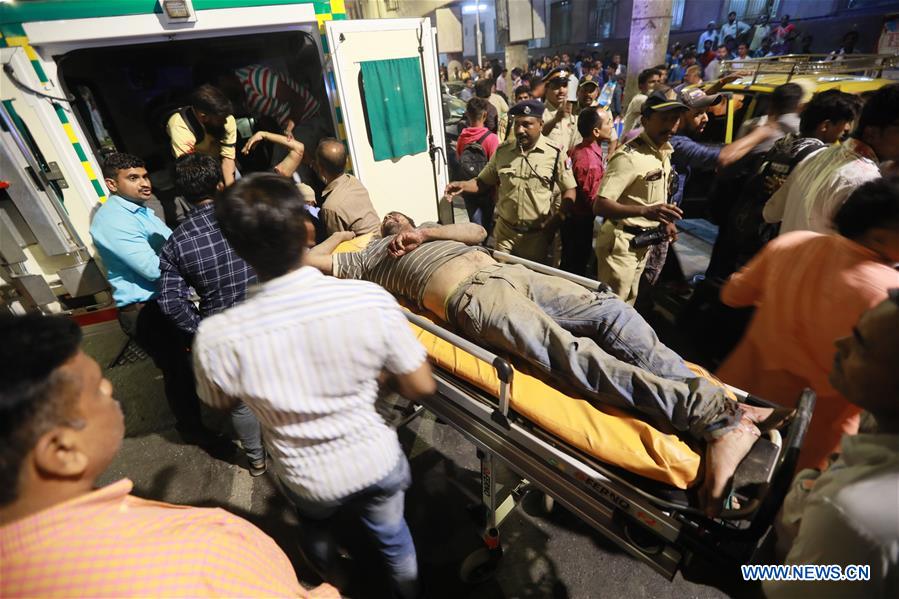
638	173
347	207
577	109
525	194
501	106
185	142
632	114
502	128
565	134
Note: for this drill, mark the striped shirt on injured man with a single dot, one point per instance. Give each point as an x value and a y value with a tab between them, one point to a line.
303	352
407	275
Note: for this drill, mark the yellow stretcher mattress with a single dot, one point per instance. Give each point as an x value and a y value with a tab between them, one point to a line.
607	434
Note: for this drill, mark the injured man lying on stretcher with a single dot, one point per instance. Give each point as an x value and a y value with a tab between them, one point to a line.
591	338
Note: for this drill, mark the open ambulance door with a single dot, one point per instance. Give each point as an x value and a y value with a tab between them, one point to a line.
411	183
76	82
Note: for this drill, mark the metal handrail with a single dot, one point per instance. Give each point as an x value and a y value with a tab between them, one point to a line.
812	64
591	284
504	371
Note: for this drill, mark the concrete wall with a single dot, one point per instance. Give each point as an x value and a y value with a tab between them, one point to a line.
826	20
806	9
377	9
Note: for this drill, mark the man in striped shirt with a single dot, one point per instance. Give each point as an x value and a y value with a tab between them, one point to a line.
304	353
592	339
266	92
60	427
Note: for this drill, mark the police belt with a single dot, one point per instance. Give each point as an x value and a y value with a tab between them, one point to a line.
524	226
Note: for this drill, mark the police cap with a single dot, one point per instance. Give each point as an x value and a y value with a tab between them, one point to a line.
533	108
557	73
588	80
659	102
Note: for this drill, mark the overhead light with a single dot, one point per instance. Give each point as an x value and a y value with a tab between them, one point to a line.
177	9
468	9
177	12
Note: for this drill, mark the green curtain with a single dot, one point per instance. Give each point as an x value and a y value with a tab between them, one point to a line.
394	100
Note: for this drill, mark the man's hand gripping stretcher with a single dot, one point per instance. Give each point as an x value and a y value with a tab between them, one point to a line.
590	339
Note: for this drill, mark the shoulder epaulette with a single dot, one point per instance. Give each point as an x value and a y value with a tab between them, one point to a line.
553	145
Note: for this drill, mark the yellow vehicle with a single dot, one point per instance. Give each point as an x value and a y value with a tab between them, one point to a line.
749	96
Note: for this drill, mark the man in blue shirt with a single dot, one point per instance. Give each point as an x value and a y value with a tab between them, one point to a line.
128	237
690	156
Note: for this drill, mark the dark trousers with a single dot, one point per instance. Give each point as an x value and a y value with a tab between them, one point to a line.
480	210
577	243
169	348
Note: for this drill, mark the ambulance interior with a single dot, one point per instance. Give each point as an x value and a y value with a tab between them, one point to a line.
125	94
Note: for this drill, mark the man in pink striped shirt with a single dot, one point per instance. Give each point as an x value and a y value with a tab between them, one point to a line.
60	427
263	91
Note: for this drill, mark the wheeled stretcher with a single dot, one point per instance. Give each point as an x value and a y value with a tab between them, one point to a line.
613	470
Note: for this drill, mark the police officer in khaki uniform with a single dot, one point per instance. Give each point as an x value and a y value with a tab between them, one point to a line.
559	120
587	94
529	172
633	197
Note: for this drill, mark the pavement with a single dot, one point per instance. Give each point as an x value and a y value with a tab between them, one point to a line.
545	556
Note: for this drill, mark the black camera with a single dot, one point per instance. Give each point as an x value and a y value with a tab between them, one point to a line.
648	238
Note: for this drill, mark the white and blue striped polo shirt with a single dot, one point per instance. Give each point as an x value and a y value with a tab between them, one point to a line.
303	352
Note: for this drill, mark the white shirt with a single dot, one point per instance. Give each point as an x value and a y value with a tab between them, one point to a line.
303	352
849	515
761	32
819	186
738	28
712	70
707	35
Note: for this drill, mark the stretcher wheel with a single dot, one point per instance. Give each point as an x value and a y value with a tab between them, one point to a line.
480	566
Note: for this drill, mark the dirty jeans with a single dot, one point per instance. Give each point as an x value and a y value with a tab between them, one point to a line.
591	339
380	507
248	431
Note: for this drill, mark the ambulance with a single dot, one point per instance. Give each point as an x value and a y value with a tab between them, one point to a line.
85	77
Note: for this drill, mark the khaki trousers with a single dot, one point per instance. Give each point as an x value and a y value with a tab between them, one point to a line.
530	246
618	266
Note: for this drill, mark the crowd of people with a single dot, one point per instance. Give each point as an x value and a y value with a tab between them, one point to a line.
246	308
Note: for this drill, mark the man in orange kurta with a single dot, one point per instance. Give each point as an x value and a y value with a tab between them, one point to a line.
61	537
810	290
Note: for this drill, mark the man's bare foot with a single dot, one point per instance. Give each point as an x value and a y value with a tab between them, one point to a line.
766	418
722	456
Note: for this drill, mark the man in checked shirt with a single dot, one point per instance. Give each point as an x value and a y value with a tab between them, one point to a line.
197	256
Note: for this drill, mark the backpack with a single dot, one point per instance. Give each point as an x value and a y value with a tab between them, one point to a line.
473	159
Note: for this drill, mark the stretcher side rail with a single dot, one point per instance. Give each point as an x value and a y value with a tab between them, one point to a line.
591	284
503	369
585	492
616	506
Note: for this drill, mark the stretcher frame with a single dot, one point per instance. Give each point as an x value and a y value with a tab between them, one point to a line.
659	531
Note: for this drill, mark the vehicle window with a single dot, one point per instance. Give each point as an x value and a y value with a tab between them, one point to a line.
717	127
125	94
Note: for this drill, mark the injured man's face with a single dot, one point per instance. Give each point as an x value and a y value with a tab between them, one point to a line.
396	222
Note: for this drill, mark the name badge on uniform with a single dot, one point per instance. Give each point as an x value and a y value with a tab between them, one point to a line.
654	175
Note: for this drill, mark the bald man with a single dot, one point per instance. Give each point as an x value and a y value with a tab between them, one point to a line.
346	204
